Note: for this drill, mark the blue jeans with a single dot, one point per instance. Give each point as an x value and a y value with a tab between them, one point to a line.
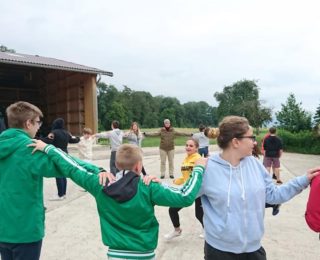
20	251
204	151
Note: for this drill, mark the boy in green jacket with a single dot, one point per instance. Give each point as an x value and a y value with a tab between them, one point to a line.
126	206
21	184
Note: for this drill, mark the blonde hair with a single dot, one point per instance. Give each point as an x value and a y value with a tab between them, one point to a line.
138	132
18	113
127	156
87	130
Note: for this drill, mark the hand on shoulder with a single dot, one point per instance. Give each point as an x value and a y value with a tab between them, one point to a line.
201	161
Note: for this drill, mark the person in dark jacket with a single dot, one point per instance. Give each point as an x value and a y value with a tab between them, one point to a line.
60	138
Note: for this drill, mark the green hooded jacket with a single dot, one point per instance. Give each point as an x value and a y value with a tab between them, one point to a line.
21	187
128	223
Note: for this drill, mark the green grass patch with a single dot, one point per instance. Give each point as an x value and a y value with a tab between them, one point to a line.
155	141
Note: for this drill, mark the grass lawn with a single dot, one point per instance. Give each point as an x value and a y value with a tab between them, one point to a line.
179	140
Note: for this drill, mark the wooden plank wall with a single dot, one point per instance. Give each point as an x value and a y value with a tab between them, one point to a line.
72	96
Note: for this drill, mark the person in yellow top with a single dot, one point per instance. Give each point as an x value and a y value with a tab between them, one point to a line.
186	169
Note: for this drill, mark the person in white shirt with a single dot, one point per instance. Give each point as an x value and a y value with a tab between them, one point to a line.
87	140
115	136
203	141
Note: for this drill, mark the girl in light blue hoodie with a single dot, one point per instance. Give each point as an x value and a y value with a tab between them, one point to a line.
235	189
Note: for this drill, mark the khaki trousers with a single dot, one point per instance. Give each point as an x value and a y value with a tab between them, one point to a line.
163	158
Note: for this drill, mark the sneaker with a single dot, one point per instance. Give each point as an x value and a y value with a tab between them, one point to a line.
173	234
162	177
276	209
57	198
274	176
279	182
171	177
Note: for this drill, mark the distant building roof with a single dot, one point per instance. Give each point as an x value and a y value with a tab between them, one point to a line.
50	63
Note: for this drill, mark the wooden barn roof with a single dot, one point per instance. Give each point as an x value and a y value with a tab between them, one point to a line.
50	63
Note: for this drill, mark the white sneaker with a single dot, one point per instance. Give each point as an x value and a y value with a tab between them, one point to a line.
173	234
57	198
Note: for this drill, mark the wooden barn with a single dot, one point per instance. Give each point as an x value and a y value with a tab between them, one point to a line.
59	88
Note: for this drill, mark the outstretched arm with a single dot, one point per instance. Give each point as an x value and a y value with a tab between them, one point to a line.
69	167
180	197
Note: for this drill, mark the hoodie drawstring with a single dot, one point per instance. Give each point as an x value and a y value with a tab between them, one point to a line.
243	194
229	188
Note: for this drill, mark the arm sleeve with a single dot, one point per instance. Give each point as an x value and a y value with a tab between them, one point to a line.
74	139
70	168
152	133
178	133
103	135
276	194
182	197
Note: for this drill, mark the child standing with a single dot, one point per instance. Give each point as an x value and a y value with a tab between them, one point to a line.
85	145
126	207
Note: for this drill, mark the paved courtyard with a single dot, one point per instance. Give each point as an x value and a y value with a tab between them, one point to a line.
73	232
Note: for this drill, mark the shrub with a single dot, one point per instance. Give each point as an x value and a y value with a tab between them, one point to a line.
306	142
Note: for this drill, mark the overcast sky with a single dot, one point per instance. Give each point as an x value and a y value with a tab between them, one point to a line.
187	49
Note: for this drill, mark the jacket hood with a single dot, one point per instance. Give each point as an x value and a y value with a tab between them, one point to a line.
58	124
125	188
11	139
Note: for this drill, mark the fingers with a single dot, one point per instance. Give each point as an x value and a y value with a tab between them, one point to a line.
201	161
148	179
106	176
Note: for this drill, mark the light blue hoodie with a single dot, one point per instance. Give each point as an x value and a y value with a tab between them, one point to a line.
233	200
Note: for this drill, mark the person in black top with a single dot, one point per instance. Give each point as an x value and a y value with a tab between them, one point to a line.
272	152
60	137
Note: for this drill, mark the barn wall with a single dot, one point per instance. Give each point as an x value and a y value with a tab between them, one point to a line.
70	95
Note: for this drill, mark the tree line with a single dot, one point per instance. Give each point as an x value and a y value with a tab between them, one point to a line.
241	98
149	111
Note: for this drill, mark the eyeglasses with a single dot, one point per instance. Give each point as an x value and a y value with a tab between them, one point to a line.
252	137
39	122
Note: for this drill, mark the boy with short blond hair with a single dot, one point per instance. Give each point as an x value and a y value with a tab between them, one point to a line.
126	206
21	184
85	146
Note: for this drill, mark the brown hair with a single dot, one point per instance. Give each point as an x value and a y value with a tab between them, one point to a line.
127	156
196	143
115	124
87	130
231	127
18	113
272	130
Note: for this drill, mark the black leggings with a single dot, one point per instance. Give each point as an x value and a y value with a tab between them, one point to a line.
174	215
211	253
20	251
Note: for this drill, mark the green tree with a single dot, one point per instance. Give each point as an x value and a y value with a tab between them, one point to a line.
293	117
316	117
6	49
107	95
242	99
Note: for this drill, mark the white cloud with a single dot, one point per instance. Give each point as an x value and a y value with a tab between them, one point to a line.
183	48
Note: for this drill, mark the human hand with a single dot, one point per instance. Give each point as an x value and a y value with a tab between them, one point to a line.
106	176
51	136
311	173
201	161
149	178
38	145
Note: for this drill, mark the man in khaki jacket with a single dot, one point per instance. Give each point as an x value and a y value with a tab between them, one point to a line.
167	135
